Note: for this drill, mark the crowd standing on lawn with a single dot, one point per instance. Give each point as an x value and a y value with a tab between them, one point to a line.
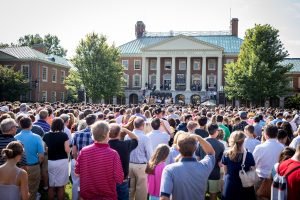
140	152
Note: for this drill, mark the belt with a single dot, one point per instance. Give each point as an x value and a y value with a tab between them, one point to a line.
33	164
138	163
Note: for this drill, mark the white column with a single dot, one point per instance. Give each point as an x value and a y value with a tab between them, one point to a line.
115	100
219	83
143	72
173	72
203	89
188	74
147	72
158	74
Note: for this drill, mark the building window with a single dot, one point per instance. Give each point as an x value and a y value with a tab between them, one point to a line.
62	76
168	64
229	60
182	64
54	75
25	71
44	74
62	97
53	96
137	80
196	64
196	82
291	84
298	82
153	64
126	78
211	81
152	81
44	96
137	64
9	66
125	64
211	64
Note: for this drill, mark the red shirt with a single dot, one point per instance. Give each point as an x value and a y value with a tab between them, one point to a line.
293	179
100	169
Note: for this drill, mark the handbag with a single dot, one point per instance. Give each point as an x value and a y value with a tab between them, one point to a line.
264	189
248	178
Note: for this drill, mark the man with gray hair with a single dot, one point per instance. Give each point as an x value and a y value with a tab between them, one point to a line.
101	181
138	161
66	119
42	121
9	128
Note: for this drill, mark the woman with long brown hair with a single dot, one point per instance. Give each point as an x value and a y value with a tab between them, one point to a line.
154	170
232	161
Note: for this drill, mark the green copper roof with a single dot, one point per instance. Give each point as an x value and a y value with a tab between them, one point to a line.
230	44
295	62
27	53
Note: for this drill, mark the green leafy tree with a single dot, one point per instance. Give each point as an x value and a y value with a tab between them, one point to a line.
73	83
292	102
259	73
51	42
12	84
3	45
99	67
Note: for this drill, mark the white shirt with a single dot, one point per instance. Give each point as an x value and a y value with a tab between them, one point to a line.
119	119
295	142
250	144
265	156
68	132
167	125
157	137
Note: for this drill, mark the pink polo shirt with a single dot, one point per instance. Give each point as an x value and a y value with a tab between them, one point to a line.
100	169
154	180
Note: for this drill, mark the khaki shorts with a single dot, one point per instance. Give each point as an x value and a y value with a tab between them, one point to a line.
44	165
213	186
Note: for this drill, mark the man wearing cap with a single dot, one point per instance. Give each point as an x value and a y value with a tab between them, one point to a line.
23	109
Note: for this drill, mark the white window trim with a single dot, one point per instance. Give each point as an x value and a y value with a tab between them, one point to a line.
199	62
54	69
298	82
291	83
153	67
170	61
45	80
140	64
229	60
139	80
196	77
211	75
53	92
150	78
22	66
179	67
126	75
62	80
9	66
46	96
209	61
124	66
62	96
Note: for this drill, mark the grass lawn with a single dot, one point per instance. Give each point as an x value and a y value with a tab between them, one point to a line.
68	192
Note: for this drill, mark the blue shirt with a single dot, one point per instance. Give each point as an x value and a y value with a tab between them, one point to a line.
143	152
187	178
43	124
33	145
82	138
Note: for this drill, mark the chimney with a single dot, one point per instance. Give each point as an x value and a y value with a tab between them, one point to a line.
235	27
140	29
39	47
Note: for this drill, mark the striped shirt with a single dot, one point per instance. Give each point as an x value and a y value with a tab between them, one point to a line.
5	139
43	124
82	138
143	152
100	169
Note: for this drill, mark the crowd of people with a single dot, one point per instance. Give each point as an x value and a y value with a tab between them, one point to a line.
141	152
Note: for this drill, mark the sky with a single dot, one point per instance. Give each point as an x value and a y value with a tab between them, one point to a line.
71	20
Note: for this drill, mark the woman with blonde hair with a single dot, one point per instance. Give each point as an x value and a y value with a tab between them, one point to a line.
154	170
232	161
13	180
174	150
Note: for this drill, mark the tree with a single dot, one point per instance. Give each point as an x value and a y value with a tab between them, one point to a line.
73	83
12	84
259	73
51	43
99	67
3	45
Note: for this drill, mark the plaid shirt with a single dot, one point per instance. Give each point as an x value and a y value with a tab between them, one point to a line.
82	138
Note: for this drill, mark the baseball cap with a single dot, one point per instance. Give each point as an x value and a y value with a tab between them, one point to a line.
4	109
157	111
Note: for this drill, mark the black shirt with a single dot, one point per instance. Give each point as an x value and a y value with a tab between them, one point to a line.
56	145
124	148
203	133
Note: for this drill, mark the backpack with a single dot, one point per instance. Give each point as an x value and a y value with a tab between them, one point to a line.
279	189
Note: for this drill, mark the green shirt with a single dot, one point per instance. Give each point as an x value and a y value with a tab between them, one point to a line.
226	131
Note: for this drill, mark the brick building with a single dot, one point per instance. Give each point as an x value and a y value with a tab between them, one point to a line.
45	73
185	65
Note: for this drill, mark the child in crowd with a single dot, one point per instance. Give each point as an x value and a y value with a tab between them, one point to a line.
154	170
